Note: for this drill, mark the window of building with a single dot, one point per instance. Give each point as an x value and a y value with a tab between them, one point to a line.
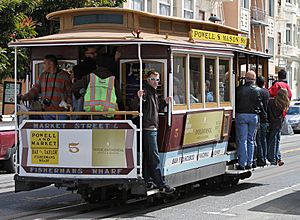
271	8
294	35
298	37
288	1
195	80
271	45
179	85
288	34
138	5
142	5
175	8
201	15
149	5
210	80
245	4
224	78
188	9
164	7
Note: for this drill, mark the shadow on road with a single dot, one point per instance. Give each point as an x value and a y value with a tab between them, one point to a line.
191	196
288	204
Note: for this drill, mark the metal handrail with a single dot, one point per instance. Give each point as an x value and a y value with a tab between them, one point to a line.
77	113
125	113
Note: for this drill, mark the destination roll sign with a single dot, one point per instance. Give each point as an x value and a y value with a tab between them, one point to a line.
218	37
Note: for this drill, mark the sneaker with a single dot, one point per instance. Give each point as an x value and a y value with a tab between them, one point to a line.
248	167
280	163
254	165
150	186
261	164
167	189
239	167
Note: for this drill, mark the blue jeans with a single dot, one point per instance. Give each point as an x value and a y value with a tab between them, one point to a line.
151	161
273	146
245	126
261	142
77	106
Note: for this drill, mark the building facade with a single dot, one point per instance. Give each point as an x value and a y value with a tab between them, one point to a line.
288	42
272	26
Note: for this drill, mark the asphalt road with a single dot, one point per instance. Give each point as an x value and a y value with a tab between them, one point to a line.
271	193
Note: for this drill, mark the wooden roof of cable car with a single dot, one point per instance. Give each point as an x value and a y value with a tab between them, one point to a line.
97	33
205	24
70	34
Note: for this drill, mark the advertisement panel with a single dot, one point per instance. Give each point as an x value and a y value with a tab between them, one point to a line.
82	148
203	127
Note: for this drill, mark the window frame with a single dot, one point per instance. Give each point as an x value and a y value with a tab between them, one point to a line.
188	10
185	105
201	80
144	6
170	5
226	103
288	34
203	104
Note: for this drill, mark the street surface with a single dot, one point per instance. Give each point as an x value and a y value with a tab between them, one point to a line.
271	193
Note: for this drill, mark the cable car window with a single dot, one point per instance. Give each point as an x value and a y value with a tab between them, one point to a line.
131	80
210	80
98	19
224	81
195	80
179	85
66	65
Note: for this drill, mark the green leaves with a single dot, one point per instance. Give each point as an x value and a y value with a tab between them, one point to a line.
27	19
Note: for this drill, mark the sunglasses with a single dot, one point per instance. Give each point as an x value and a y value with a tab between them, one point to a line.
154	79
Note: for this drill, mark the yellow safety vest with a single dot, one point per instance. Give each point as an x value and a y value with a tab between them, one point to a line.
100	95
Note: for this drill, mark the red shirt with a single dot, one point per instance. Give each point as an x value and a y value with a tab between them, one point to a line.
273	90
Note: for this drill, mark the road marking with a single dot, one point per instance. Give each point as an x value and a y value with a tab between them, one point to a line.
220	213
250	201
46	198
291	150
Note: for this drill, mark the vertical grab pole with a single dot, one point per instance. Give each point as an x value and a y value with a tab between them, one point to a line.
15	97
141	110
170	106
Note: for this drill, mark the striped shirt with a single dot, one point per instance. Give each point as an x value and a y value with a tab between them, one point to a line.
61	91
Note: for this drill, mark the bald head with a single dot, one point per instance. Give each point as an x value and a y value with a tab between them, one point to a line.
250	76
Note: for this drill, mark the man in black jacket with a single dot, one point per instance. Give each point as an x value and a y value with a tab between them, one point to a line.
262	128
151	107
247	108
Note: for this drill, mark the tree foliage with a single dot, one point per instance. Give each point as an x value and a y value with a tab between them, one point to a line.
27	19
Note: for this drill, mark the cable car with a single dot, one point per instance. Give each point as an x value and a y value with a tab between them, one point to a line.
200	64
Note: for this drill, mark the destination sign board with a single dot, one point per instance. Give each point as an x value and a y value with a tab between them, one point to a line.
218	37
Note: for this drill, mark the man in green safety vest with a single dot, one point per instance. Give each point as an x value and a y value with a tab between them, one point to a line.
101	93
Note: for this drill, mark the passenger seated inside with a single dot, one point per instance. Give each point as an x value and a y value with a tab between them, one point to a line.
178	97
209	97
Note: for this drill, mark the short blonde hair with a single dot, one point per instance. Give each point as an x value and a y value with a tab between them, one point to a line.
250	76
